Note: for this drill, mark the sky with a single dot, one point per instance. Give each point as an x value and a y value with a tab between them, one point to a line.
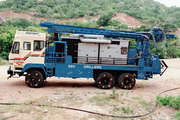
170	3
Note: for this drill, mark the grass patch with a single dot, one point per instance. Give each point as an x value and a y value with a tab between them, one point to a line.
177	116
114	95
3	62
5	118
136	98
116	108
100	100
127	110
122	93
169	101
104	99
144	103
38	118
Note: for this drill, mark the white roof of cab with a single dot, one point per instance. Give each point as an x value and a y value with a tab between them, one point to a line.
26	34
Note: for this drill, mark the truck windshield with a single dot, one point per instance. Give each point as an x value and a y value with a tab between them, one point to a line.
16	48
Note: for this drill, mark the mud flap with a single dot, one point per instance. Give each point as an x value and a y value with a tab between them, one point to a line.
163	67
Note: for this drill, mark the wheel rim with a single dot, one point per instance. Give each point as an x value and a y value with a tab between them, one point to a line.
106	81
127	82
33	79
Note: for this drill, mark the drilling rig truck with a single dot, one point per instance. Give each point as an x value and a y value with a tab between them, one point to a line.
107	56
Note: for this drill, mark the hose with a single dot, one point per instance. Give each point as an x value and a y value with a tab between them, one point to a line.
163	38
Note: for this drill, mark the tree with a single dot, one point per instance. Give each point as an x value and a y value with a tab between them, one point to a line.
104	19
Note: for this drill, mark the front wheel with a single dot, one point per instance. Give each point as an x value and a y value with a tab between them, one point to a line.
105	80
34	79
126	81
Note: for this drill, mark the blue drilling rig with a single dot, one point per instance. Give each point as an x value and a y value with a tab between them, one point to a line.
107	56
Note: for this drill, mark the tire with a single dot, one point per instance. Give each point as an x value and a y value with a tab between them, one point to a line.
105	80
34	79
94	77
126	81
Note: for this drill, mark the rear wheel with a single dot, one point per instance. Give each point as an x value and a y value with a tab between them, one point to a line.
105	80
94	77
126	81
34	79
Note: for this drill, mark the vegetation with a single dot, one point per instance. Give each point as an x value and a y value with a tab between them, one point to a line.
114	94
169	101
127	110
2	62
104	20
7	35
177	116
170	50
145	10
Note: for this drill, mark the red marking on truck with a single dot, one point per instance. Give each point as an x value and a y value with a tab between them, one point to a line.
35	54
26	56
18	62
17	58
10	63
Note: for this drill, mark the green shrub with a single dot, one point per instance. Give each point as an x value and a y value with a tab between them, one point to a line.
104	19
114	94
177	116
169	101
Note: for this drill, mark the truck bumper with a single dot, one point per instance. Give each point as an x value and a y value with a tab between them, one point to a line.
10	72
163	67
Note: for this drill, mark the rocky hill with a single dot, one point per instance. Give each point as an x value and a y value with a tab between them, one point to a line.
123	18
147	11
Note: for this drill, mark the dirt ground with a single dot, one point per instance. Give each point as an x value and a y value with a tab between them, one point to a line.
83	93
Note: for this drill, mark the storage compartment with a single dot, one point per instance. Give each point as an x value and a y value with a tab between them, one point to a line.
88	53
103	53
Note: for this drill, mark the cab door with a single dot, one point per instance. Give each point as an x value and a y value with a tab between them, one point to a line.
25	49
14	54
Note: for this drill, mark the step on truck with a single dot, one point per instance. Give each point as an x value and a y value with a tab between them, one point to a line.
108	56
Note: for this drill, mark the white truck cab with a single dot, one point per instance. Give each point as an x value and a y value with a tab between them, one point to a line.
28	47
